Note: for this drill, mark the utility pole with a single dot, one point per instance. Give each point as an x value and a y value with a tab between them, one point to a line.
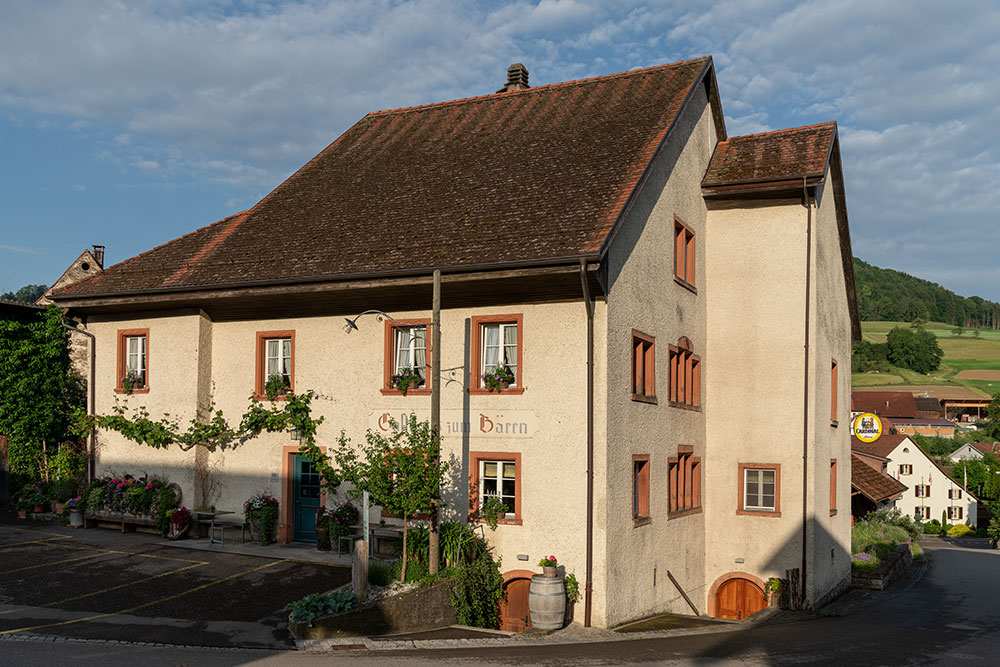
435	380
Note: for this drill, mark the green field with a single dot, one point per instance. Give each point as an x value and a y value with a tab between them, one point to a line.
961	353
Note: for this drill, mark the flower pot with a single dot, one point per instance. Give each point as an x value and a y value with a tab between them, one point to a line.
76	518
39	509
22	514
549	571
177	531
57	507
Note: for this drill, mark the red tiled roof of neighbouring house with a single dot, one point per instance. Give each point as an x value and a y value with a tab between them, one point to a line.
987	447
782	155
527	176
875	485
885	403
881	447
936	422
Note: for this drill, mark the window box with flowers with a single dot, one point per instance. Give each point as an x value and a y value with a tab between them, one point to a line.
405	379
277	386
132	381
500	378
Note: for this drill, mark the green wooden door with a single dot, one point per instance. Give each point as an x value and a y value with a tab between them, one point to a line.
305	495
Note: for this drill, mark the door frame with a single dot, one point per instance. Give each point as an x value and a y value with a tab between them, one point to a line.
286	517
714	590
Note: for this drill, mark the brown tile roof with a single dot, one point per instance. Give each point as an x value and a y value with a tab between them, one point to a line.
782	155
527	176
881	447
885	403
875	485
987	447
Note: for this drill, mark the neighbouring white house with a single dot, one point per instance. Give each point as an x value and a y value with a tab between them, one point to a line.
676	308
930	493
976	450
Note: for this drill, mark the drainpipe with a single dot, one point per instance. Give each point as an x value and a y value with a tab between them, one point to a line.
90	393
805	394
589	588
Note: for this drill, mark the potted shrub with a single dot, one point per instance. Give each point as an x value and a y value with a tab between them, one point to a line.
74	507
133	380
180	521
276	386
405	379
342	520
548	566
261	512
32	498
499	378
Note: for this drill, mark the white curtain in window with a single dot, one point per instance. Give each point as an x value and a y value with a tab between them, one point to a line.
491	347
135	359
510	346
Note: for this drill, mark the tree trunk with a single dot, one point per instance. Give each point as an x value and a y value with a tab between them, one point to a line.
402	573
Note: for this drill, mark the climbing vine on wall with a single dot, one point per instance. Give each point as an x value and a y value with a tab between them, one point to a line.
211	429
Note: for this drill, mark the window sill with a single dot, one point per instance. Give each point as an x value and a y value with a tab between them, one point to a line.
679	513
263	397
411	392
685	284
767	513
500	522
684	406
482	391
642	398
834	423
641	521
144	390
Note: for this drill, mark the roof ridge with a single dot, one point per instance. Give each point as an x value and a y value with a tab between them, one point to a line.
528	91
782	131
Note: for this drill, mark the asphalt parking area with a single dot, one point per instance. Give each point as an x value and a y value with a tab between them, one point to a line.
98	584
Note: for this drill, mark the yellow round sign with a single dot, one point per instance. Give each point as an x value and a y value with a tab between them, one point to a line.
867	427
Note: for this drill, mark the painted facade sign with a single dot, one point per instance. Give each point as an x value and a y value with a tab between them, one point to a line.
474	423
867	427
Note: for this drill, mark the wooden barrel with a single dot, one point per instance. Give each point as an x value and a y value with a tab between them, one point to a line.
547	602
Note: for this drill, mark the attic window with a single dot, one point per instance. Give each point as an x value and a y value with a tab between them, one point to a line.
85	266
906	450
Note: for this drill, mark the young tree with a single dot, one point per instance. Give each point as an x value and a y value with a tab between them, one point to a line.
398	470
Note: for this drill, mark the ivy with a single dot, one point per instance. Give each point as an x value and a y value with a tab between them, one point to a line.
210	429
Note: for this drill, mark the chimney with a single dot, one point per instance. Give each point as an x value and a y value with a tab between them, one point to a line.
98	253
517	78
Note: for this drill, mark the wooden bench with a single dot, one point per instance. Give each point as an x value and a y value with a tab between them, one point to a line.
127	522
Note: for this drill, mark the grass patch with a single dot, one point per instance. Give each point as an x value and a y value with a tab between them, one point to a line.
873	543
916	551
874	379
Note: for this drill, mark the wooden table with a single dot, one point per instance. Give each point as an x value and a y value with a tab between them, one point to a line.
210	517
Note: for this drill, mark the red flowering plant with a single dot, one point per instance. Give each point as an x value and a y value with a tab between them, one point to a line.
342	519
179	516
261	512
549	561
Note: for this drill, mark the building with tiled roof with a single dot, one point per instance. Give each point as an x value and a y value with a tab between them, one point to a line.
976	450
884	403
871	488
670	308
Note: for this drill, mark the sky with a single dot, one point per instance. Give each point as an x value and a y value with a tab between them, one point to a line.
131	123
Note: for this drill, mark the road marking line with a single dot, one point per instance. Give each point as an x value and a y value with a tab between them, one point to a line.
49	540
58	562
109	589
146	604
127	553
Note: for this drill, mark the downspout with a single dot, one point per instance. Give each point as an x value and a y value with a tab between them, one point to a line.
805	395
588	587
91	411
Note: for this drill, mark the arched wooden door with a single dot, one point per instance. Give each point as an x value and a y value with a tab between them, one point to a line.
738	598
514	614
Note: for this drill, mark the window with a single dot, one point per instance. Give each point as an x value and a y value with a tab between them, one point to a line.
922	513
922	490
407	347
833	487
683	254
905	469
833	392
685	376
495	474
643	367
133	360
955	513
683	483
954	494
640	489
760	489
497	341
275	361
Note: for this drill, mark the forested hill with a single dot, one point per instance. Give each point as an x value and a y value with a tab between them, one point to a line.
894	296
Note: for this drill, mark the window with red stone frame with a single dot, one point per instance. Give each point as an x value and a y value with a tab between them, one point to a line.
685	375
490	474
684	254
759	486
640	489
278	364
404	344
133	354
683	483
497	338
643	367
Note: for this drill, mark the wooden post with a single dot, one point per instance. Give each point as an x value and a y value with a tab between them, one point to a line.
434	556
359	569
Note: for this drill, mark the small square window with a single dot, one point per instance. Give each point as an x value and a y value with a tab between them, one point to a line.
760	489
495	474
905	469
955	514
922	513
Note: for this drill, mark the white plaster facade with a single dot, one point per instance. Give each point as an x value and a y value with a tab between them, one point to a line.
944	496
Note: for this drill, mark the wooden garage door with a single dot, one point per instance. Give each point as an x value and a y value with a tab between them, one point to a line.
737	599
514	615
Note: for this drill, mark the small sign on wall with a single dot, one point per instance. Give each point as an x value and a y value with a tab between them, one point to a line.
475	424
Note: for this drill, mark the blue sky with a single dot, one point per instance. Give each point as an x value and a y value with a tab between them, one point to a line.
129	124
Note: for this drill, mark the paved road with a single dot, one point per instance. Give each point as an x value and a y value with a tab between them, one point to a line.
98	584
951	616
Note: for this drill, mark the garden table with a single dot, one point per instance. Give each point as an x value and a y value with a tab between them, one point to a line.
210	517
